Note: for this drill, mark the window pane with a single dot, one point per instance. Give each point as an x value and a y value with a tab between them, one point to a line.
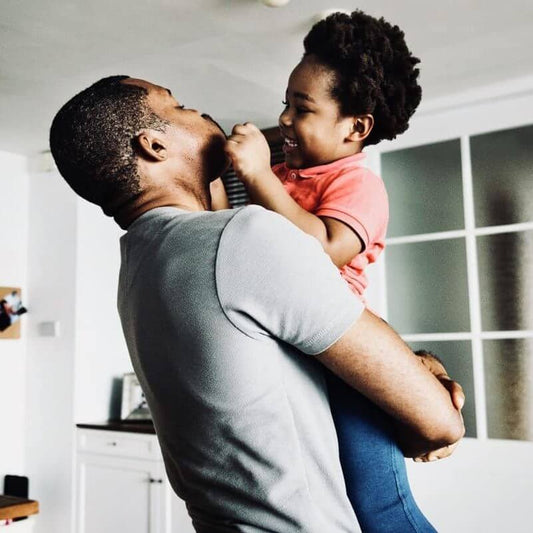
457	358
502	167
506	280
509	387
427	286
425	188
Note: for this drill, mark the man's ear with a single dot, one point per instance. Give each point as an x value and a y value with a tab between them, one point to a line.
151	146
361	127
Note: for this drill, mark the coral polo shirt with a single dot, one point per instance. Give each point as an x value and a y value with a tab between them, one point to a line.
347	191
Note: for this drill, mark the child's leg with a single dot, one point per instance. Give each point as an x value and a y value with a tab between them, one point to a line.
373	465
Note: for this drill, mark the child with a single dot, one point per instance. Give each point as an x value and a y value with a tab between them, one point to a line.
355	85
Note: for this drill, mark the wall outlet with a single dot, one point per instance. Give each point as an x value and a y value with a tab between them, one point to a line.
48	329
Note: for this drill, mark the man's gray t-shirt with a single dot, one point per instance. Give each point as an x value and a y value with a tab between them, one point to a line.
222	313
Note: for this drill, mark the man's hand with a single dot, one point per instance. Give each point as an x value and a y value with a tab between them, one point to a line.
249	152
434	365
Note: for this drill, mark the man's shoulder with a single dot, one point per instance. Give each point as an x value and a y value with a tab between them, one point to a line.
268	240
257	216
256	226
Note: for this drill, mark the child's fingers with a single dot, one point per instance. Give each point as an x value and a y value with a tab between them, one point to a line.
456	391
435	455
458	395
244	129
236	138
435	366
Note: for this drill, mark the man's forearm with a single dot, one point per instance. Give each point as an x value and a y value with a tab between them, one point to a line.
373	359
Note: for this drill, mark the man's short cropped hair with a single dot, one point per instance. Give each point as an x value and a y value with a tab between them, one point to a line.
92	139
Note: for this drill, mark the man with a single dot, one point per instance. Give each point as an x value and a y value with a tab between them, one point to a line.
229	317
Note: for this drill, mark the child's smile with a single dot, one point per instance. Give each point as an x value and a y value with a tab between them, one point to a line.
289	145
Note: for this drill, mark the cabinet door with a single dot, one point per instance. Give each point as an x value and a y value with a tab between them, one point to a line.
116	494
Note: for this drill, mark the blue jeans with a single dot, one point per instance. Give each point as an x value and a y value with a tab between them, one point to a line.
373	465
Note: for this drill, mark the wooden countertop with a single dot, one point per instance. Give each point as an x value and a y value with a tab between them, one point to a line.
121	425
13	507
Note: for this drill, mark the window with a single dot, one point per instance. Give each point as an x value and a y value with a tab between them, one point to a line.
459	269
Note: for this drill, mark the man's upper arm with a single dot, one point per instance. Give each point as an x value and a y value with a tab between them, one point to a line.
274	279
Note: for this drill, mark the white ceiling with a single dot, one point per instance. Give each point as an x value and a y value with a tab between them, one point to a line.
230	58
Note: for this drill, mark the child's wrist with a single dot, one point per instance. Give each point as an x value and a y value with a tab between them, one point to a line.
254	178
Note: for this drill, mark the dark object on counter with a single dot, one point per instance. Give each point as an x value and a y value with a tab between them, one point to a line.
17	486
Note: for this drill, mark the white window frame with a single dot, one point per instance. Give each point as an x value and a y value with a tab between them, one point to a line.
499	107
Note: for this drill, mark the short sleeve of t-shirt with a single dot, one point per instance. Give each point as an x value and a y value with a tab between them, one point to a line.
273	279
359	199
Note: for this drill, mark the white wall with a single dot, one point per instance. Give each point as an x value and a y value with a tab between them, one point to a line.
13	260
485	487
73	268
101	353
51	363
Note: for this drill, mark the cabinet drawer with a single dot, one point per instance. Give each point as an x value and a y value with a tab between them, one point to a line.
119	443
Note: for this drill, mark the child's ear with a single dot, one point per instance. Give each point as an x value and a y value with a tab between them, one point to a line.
361	127
150	146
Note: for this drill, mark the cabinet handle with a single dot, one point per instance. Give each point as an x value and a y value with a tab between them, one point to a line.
112	443
152	480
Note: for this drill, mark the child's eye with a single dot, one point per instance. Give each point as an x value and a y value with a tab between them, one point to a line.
302	110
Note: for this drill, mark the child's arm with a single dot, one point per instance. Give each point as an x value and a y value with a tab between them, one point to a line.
250	154
219	198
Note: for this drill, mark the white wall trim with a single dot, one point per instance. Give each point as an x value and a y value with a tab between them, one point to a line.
486	94
473	290
481	110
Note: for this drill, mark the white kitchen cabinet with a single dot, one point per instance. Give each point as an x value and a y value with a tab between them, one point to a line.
121	486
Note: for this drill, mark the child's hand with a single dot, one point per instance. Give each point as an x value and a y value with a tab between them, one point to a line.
219	198
408	442
249	152
434	365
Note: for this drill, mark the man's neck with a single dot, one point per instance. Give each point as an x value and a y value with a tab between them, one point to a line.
186	200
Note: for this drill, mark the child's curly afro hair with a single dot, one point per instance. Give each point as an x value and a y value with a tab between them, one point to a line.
374	71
